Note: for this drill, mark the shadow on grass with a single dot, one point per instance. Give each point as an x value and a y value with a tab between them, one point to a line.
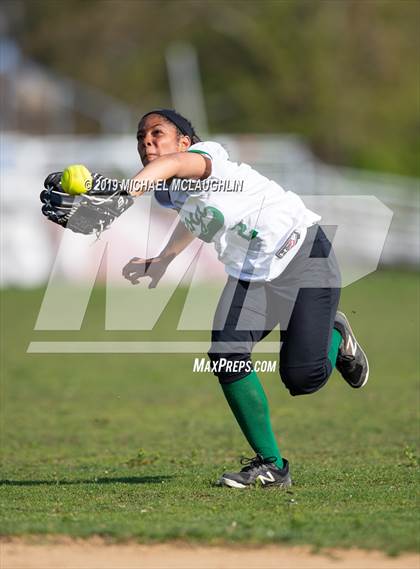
124	480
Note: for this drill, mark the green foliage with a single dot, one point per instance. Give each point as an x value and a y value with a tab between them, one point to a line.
343	74
130	446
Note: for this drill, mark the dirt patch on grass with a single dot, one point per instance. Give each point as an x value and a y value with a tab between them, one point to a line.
65	553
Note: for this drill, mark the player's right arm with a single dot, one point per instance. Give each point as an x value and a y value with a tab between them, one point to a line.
156	267
178	241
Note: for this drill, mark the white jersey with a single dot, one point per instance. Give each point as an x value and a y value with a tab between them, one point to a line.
256	226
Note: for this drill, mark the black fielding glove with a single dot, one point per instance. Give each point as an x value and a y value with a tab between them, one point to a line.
89	213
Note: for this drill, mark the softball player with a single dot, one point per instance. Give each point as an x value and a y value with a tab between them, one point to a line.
280	268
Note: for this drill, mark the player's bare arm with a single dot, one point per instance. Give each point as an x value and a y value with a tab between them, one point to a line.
176	165
163	151
178	241
156	267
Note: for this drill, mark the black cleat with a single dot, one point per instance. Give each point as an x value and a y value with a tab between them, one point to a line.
352	362
258	471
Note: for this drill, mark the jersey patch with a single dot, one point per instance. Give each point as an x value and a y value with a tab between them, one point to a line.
290	243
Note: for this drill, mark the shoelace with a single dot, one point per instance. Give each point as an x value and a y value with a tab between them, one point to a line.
346	358
255	462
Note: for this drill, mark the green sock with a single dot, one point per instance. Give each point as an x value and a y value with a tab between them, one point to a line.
247	399
335	344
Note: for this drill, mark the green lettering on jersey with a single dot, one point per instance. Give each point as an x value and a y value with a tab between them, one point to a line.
244	232
208	221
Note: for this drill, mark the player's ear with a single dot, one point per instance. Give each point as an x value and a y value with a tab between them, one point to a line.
184	143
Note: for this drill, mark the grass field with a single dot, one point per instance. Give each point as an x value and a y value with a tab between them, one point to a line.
130	445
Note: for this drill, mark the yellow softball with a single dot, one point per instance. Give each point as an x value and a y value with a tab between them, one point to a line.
76	179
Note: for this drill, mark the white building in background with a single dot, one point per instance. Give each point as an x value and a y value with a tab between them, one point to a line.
30	241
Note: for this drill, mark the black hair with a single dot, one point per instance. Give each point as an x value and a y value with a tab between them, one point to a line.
183	125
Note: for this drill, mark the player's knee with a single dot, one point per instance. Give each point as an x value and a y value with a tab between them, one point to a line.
303	380
230	354
230	367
